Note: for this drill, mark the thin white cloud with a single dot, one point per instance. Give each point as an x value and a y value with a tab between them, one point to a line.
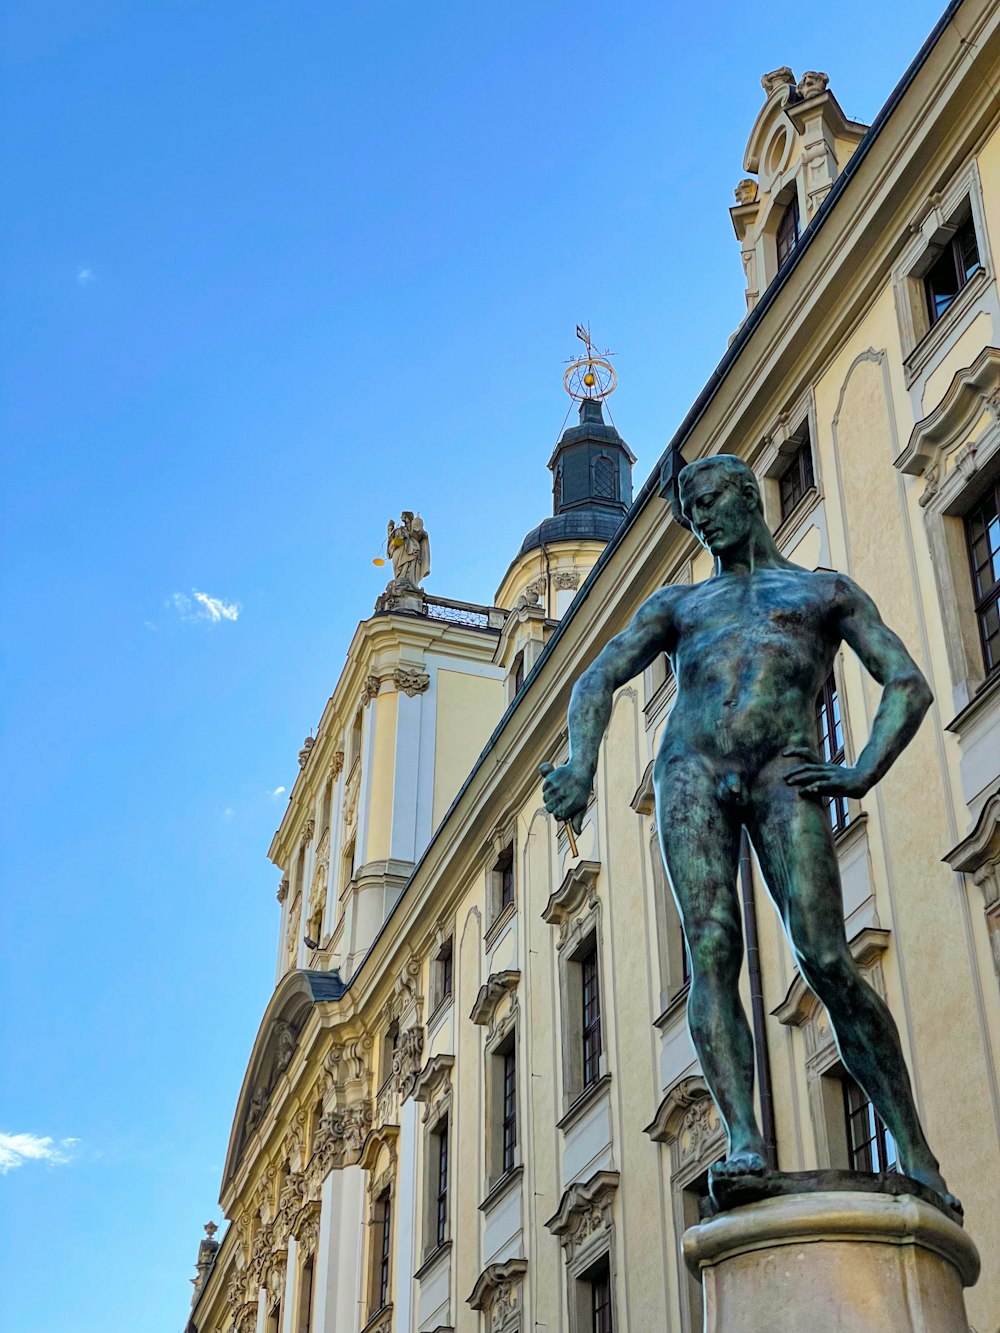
228	812
85	275
200	606
278	791
16	1149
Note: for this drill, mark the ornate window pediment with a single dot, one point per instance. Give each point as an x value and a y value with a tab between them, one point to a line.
971	400
433	1087
576	895
498	1294
978	855
585	1212
688	1122
493	992
800	1008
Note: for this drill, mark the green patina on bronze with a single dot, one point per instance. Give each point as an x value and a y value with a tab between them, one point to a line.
750	648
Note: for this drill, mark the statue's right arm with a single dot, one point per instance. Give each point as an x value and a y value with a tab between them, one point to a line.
567	789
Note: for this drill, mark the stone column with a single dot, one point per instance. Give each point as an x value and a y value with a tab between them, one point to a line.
833	1262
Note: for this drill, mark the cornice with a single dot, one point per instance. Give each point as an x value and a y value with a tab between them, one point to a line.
578	1200
982	844
578	884
799	1001
973	390
491	992
492	1278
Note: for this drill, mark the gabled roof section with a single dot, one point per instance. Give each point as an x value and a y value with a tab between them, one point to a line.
277	1038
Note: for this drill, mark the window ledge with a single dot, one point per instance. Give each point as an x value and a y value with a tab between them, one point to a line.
982	701
845	838
496	926
498	1190
942	329
382	1318
439	1010
677	1004
805	504
432	1258
659	700
582	1101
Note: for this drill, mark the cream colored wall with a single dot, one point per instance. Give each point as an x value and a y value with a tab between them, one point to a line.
382	779
467	711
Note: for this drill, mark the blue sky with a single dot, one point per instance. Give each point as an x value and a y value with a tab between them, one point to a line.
273	272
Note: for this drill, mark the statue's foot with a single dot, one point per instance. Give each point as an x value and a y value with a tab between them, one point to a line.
740	1162
929	1175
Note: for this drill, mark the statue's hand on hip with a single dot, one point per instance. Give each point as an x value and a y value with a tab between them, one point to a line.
566	791
815	778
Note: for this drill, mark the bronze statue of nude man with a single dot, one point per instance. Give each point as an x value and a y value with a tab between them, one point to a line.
750	648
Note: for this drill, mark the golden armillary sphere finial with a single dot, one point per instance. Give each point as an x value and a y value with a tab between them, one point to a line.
590	376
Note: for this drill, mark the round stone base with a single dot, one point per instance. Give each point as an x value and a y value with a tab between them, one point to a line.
833	1263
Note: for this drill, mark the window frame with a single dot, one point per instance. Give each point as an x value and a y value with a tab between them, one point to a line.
990	599
925	341
962	272
877	1153
591	1017
381	1265
791	210
829	702
798	470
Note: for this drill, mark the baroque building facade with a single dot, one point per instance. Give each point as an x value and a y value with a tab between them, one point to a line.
473	1103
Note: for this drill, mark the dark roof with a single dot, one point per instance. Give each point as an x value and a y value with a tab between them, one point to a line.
582	524
324	985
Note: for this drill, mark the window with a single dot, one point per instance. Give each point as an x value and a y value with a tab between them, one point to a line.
502	885
389	1043
382	1239
502	1152
590	995
518	672
657	674
440	1154
594	1313
326	808
675	971
354	747
797	476
830	733
982	534
787	237
605	479
508	1127
444	973
306	1296
694	1195
870	1146
314	1123
954	266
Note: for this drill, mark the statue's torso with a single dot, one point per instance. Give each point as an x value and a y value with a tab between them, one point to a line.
750	653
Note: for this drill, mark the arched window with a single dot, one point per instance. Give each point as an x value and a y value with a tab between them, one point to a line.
605	478
788	230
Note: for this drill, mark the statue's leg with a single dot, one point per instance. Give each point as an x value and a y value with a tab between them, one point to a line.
699	837
794	843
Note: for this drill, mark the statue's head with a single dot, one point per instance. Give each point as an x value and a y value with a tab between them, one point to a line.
720	498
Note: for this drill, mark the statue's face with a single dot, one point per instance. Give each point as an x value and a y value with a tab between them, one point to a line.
721	512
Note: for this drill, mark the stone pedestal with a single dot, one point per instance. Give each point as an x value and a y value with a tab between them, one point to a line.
835	1262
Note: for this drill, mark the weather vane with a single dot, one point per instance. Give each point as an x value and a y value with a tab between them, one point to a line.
590	376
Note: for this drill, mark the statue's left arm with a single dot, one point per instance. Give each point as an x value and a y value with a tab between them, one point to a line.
906	697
